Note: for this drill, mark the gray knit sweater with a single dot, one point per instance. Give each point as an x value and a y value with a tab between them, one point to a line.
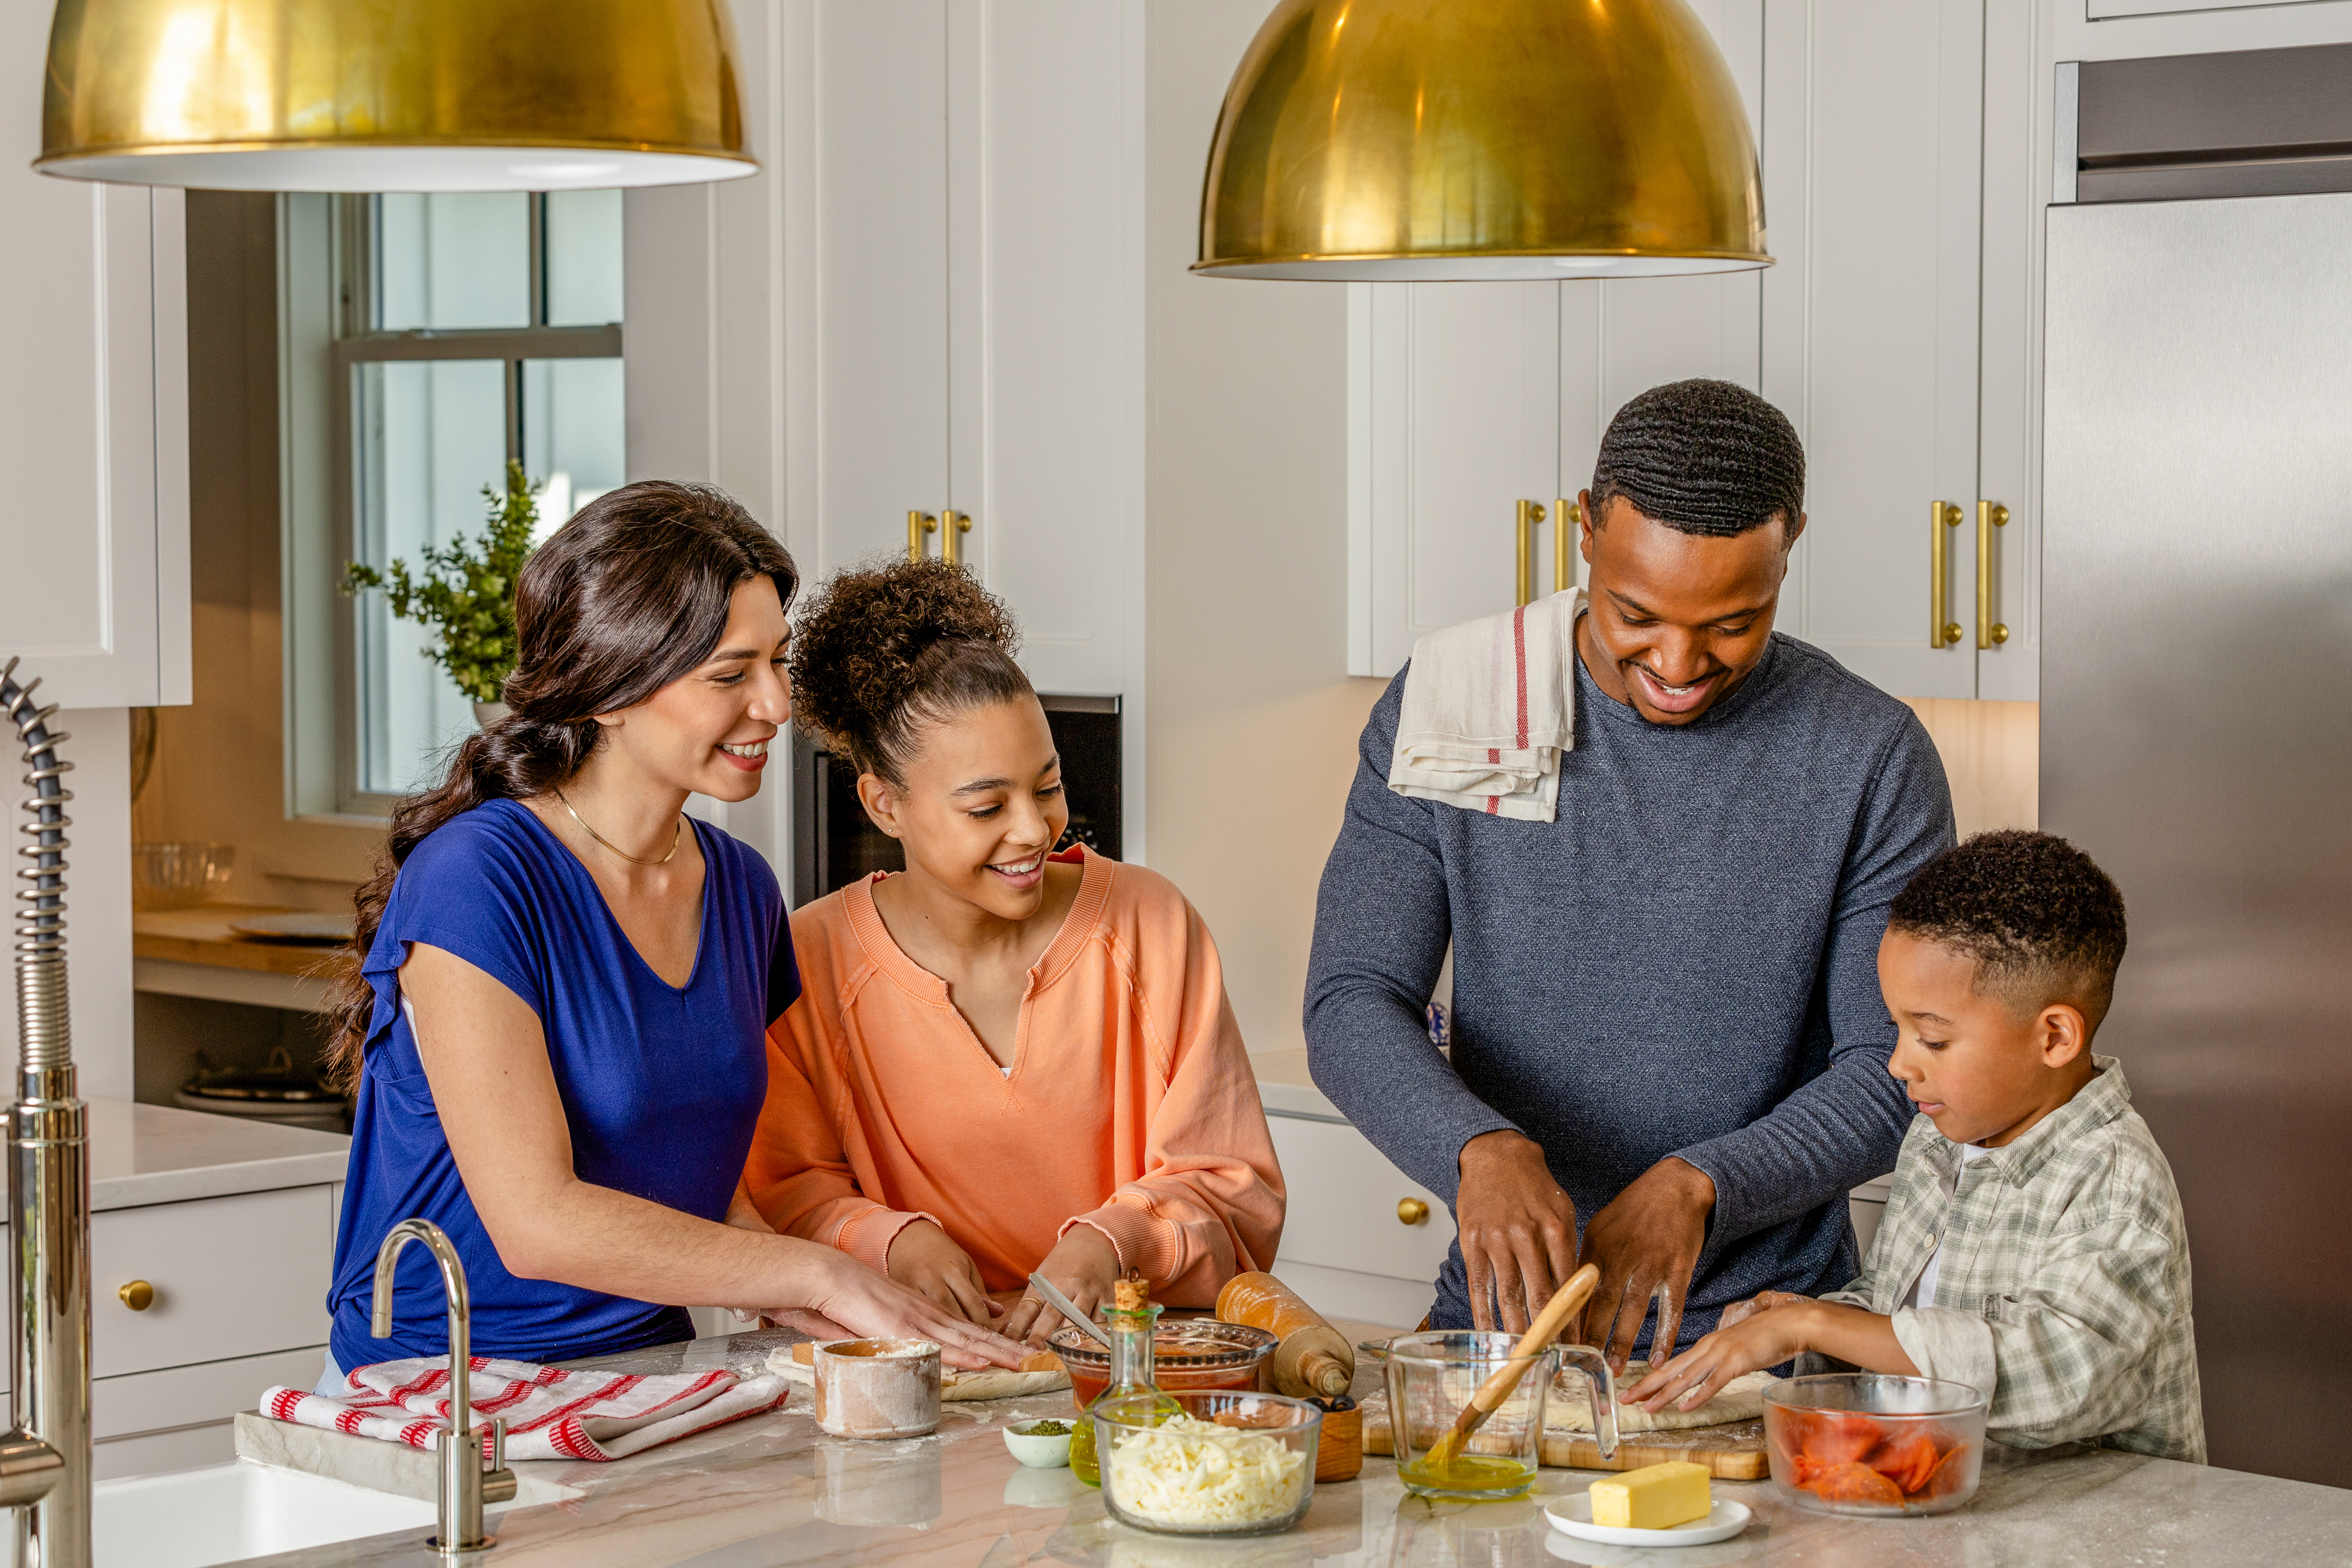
1684	962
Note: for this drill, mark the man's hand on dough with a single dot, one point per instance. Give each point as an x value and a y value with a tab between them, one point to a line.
1647	1239
1518	1229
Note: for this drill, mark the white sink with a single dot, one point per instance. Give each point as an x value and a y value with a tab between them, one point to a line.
224	1513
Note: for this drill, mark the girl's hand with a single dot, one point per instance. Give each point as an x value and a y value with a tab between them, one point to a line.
1083	1266
1770	1332
865	1305
923	1259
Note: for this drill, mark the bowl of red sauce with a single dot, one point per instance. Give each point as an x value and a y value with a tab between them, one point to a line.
1189	1352
1868	1444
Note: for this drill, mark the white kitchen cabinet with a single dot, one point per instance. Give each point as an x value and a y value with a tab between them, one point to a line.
1468	399
1897	329
2133	29
965	193
93	419
1347	1249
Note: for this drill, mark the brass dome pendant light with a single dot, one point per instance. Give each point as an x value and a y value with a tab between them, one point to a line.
392	95
1481	138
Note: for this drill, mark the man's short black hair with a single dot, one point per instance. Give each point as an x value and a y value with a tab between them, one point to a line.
2039	918
1702	456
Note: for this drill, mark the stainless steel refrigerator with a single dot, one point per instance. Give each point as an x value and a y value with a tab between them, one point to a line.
2196	681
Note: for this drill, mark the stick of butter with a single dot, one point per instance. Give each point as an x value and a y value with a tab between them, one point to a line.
1657	1497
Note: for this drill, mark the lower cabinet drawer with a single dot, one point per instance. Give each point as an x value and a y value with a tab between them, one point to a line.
1343	1205
230	1276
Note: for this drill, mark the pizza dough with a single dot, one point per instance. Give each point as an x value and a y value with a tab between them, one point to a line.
1569	1409
994	1383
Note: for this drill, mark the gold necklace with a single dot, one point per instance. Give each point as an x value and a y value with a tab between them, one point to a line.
677	836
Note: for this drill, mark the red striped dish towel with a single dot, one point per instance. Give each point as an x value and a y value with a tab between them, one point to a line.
1489	707
551	1414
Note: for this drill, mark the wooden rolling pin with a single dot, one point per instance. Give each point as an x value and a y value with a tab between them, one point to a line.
1313	1362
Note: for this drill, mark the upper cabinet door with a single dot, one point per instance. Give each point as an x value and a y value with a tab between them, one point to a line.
879	224
93	421
1468	399
1872	184
1457	388
1045	323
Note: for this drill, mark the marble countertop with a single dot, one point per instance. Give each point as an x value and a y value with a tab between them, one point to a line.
772	1491
143	1154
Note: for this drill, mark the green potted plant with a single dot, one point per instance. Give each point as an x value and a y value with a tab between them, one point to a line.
465	592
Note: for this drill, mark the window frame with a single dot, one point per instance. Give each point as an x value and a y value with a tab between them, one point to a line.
326	311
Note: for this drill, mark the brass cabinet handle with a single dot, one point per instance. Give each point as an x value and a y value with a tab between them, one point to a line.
951	524
1412	1211
1567	521
918	523
1531	512
138	1295
1990	514
1941	632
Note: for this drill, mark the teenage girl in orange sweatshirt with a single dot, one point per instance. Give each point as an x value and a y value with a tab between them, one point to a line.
1002	1059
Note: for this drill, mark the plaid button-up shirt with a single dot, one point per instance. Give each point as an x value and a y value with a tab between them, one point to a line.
2064	1283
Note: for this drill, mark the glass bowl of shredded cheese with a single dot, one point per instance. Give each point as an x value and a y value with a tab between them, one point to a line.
1233	1463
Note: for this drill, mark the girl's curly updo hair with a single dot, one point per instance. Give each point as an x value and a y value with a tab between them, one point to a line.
882	652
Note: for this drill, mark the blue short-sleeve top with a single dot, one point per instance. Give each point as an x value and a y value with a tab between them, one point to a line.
661	1085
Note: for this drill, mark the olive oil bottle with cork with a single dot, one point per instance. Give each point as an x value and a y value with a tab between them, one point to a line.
1133	1324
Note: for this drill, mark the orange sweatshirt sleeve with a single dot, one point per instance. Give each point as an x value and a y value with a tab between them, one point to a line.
799	1175
1209	1203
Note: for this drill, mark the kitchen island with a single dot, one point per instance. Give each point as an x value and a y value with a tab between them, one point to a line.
772	1490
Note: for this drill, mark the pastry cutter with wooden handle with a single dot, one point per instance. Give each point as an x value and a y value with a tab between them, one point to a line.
1491	1393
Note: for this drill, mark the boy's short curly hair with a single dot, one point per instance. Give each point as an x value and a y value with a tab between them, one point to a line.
882	652
2042	922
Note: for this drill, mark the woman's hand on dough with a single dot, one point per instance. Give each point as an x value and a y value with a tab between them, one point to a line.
866	1305
922	1257
1769	1335
1083	1266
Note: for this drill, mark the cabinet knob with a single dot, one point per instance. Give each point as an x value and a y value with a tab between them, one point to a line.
1410	1211
138	1295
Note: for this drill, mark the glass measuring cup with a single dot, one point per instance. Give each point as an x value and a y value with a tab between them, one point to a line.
1431	1376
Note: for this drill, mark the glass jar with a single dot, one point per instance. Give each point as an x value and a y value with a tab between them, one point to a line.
1431	1376
1129	1384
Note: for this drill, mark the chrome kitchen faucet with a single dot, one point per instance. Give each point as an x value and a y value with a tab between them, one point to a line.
466	1483
44	1457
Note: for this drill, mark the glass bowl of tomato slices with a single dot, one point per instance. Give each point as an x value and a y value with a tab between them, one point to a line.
1863	1443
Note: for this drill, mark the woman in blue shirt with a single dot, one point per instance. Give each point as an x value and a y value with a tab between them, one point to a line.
557	1028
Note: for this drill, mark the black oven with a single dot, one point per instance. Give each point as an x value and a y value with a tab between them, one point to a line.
835	843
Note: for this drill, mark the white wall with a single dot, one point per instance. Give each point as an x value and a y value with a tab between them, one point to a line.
1253	716
97	892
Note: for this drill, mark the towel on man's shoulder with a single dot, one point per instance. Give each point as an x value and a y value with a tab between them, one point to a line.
1489	705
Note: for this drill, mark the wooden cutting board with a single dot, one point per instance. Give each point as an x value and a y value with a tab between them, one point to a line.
1733	1453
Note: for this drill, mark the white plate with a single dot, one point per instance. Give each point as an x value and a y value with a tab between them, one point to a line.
1573	1515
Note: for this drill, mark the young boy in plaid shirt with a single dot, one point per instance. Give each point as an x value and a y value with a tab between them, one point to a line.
2033	1246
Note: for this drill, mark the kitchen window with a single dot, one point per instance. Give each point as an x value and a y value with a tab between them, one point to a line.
425	342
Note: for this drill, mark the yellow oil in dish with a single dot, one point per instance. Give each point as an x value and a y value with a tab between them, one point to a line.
1468	1476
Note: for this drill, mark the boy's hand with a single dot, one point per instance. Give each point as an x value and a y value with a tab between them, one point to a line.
1773	1328
1762	1301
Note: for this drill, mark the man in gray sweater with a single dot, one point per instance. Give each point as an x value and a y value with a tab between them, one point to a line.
1668	1048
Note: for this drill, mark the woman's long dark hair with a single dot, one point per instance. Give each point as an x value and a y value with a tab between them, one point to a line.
629	595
